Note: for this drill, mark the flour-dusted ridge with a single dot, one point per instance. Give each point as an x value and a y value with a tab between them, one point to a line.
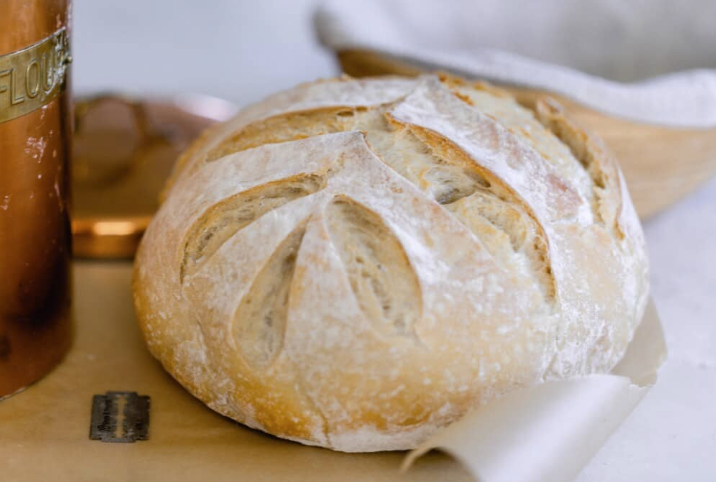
355	264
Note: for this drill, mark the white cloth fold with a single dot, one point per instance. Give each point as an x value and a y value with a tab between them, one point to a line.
651	61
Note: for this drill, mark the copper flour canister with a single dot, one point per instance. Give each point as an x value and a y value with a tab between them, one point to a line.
35	133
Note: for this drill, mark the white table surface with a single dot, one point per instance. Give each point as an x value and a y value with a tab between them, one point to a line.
244	50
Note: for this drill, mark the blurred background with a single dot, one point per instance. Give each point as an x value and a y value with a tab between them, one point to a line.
244	50
237	50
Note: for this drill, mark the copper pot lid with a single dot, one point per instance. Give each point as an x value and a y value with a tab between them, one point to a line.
124	150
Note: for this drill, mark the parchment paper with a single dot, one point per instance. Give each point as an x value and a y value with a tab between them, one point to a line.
549	432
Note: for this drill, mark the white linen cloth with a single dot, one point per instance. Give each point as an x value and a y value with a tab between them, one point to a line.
651	61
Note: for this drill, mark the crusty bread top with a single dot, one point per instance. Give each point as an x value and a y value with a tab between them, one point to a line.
354	263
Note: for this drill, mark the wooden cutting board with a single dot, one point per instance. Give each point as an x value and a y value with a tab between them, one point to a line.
44	431
660	164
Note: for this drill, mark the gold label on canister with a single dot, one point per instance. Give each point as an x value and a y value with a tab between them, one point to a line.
33	76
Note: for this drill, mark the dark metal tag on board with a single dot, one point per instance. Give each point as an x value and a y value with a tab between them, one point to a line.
120	417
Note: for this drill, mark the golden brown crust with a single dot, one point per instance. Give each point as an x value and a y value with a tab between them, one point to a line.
590	151
354	264
199	144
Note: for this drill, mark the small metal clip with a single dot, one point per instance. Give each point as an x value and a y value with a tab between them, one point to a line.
120	417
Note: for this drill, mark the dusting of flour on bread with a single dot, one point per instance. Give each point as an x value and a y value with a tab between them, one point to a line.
355	264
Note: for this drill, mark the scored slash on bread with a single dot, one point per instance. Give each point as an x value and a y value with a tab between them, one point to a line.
356	263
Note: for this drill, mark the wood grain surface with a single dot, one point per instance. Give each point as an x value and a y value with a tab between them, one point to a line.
44	431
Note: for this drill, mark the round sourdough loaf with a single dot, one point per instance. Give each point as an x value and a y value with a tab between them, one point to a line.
356	263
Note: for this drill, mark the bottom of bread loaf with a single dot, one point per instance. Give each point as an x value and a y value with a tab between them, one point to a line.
365	439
